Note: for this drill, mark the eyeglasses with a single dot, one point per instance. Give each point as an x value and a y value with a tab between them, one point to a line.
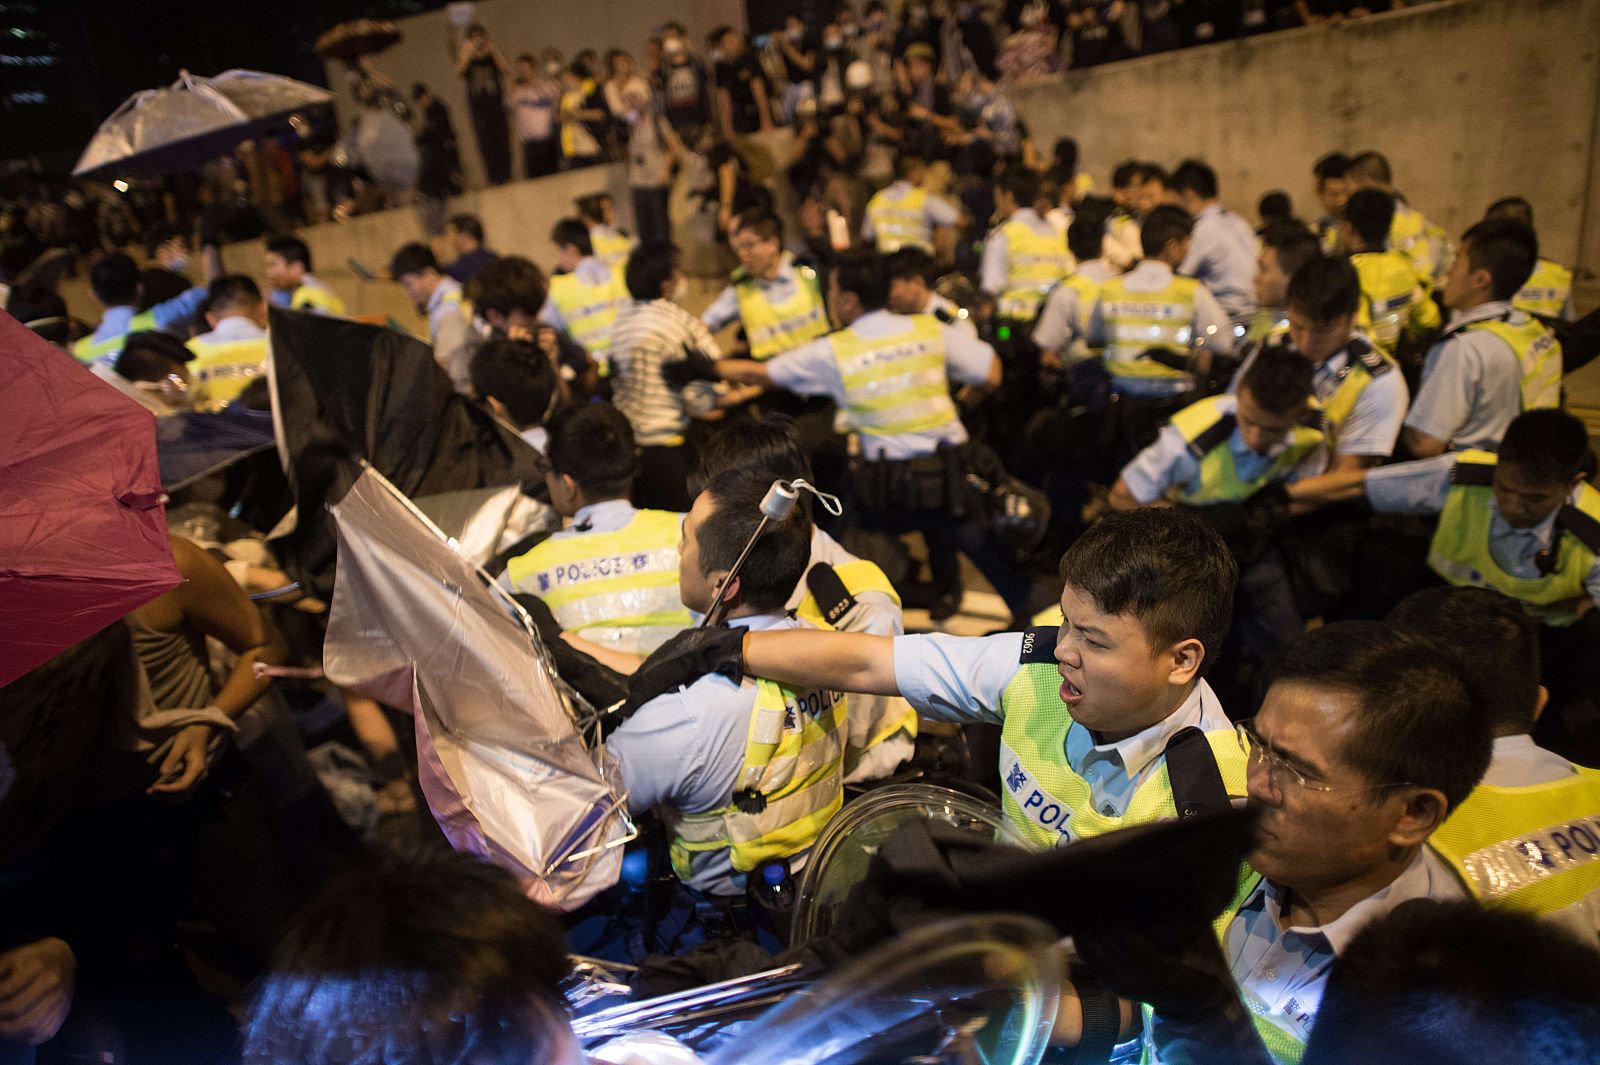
1279	769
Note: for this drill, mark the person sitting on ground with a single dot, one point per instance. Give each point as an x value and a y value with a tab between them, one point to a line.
464	234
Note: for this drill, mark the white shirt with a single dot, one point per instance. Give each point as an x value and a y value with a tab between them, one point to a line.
1373	424
1212	328
995	268
1222	257
448	325
234	327
724	310
1471	385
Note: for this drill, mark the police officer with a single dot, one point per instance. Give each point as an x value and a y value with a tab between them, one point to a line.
1424	243
1394	296
611	246
1063	326
1548	290
586	295
1362	396
905	215
1514	840
911	274
438	296
287	268
1285	247
1494	360
610	577
1331	174
890	376
114	280
1226	448
234	352
1024	256
777	301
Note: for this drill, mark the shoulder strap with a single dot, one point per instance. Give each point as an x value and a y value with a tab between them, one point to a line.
944	316
1369	358
1464	326
1197	786
1039	644
834	600
1581	525
1218	434
1472	474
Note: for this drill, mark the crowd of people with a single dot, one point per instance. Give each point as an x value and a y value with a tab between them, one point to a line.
1284	517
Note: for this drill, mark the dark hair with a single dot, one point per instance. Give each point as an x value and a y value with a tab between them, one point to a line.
1275	206
1086	237
150	356
1370	213
761	221
412	258
1292	242
1330	166
1022	184
909	262
572	231
1508	249
768	442
593	444
419	89
1414	721
114	280
421	956
589	205
908	162
471	224
1551	446
290	249
1166	567
860	270
527	57
1126	173
779	558
39	302
1457	983
1064	156
1194	176
1325	287
1494	642
1155	172
159	234
233	292
157	284
1279	379
510	283
477	29
1515	208
650	267
517	374
1164	223
1370	166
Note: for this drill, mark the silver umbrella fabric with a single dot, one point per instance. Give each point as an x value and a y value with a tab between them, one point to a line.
194	120
505	768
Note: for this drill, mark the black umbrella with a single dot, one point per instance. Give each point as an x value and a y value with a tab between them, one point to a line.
193	445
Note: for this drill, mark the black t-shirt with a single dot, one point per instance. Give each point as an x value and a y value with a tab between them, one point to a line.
483	82
738	77
683	92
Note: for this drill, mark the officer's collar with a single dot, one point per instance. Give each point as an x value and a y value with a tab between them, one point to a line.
1481	313
761	622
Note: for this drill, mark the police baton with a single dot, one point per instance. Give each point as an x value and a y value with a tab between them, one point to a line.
776	506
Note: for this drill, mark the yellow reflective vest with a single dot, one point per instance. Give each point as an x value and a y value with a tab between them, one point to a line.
618	588
1411	235
774	328
900	221
1035	262
1135	322
316	298
1208	425
589	310
1546	292
1394	298
220	370
611	248
1460	549
1538	355
898	384
87	349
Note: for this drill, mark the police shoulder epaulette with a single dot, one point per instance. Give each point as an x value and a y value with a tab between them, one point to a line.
833	598
1039	644
1472	474
1369	357
1213	437
944	316
1581	525
739	276
805	269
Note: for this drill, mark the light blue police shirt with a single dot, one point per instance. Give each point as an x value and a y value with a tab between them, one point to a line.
1169	463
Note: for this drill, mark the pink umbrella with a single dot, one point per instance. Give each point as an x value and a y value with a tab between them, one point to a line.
83	536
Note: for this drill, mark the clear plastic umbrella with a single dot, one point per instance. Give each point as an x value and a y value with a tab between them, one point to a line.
193	121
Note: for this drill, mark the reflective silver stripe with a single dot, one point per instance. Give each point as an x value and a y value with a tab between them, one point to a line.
889	386
872	419
1511	865
587	610
716	827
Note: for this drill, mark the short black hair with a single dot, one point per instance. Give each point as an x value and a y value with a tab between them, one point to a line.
37	302
860	270
150	356
1325	288
1155	172
1022	184
1370	213
1166	567
649	269
1371	166
761	221
778	560
1126	173
573	232
1275	206
1194	176
518	375
1550	446
510	283
769	442
1415	722
593	444
1494	641
471	224
416	956
908	162
1516	208
419	89
1330	166
1279	379
233	292
1165	223
1086	237
1458	983
412	258
114	280
1508	249
1064	156
290	249
1292	242
588	205
906	263
157	284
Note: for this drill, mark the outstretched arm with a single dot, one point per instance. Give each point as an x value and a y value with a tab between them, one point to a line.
838	661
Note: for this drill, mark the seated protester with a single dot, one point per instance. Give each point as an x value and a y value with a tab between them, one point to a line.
1024	256
438	296
1548	291
517	382
234	352
416	956
1063	327
114	280
1458	984
152	370
1394	297
1493	361
1151	311
777	301
905	215
586	295
610	577
1513	841
748	770
911	273
1091	712
1224	449
287	268
506	297
464	234
1525	523
1285	248
839	591
1222	251
651	331
1363	398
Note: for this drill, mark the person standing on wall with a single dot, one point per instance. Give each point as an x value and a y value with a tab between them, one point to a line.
480	63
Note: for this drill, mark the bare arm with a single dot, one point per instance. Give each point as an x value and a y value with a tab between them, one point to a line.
1424	446
745	372
213	604
1335	487
621	661
838	661
1121	498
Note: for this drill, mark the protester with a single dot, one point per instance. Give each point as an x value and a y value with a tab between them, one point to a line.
482	67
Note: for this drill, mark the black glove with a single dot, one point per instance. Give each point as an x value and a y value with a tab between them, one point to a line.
684	659
695	365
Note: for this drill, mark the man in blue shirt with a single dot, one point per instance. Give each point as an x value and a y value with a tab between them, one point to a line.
1222	248
114	280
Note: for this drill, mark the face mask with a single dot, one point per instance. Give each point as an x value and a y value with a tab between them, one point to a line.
716	55
552	70
672	46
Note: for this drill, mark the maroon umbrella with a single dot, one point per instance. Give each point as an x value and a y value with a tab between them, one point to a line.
83	536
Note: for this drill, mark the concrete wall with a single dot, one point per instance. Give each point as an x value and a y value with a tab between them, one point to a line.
1471	100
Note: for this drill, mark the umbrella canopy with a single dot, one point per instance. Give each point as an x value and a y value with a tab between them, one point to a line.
500	759
83	539
192	445
357	38
192	121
